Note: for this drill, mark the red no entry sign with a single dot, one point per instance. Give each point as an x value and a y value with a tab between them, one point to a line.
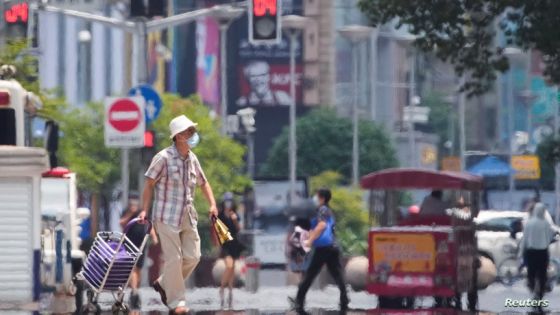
124	115
124	122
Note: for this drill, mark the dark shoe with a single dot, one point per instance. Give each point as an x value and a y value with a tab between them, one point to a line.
297	306
161	292
134	301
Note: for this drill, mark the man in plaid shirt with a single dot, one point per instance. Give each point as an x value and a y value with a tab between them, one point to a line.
174	173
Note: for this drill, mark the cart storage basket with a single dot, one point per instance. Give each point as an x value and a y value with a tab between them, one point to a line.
110	261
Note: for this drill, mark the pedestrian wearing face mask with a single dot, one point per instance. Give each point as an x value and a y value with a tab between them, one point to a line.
231	250
174	174
325	252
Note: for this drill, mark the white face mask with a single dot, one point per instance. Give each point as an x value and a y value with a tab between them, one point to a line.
315	200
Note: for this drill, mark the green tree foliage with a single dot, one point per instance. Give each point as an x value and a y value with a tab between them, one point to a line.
462	32
351	217
14	53
548	152
82	147
324	142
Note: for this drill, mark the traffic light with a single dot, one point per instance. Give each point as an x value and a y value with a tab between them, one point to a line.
264	21
148	151
15	18
149	139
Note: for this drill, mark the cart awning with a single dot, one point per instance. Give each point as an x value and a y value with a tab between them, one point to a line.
414	178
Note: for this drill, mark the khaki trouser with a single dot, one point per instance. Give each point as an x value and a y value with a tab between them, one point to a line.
181	254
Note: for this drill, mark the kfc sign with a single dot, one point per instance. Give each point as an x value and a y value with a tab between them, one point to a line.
264	84
16	13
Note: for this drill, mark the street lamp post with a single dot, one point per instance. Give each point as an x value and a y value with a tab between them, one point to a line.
528	98
462	132
557	165
355	34
84	40
224	15
293	24
511	52
451	101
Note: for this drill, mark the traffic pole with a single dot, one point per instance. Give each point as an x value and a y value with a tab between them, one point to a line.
556	165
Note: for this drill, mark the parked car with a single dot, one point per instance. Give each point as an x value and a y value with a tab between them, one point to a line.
495	239
498	240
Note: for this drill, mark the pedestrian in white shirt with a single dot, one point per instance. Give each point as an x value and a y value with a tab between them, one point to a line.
537	236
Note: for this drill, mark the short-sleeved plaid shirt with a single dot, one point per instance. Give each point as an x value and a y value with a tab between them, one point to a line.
176	180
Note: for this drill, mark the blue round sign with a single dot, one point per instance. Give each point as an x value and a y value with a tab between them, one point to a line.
153	101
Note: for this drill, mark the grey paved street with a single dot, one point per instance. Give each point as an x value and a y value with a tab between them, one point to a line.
272	299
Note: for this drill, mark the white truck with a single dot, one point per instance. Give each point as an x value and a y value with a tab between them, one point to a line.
38	212
61	256
20	227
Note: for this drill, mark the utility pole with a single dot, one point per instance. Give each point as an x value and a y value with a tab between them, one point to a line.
355	34
293	25
557	165
462	136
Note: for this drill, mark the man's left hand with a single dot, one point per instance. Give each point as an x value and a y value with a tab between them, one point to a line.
213	211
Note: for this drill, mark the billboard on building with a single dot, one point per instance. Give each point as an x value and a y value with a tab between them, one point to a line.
208	62
541	104
265	84
156	61
526	167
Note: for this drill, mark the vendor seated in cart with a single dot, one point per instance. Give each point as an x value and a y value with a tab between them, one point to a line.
433	204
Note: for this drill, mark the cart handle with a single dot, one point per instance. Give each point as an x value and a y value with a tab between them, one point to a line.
147	229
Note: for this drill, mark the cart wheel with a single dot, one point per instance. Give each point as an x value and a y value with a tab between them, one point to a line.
91	308
119	308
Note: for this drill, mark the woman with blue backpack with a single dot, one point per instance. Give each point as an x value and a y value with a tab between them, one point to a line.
325	252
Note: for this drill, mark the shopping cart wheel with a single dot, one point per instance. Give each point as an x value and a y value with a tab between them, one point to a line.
119	308
91	308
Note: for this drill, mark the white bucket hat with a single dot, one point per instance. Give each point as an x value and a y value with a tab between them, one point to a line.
179	124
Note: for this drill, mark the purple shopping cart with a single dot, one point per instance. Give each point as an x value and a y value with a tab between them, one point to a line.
108	267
